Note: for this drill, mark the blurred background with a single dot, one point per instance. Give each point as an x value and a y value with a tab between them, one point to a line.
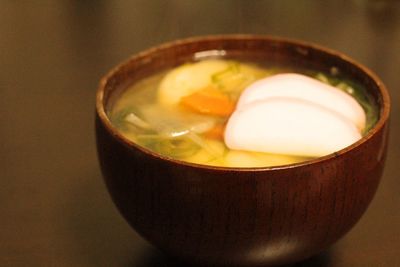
54	208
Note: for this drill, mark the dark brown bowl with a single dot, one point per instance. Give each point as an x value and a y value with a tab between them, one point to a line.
232	216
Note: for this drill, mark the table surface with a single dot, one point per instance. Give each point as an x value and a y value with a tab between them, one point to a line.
54	208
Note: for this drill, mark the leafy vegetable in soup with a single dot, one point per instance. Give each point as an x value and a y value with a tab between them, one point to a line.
238	114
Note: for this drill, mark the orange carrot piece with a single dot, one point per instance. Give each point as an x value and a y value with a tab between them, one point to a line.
209	101
217	132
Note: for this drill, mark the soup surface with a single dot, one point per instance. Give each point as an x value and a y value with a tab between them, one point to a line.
184	113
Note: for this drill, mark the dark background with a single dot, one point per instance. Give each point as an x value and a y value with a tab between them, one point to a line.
54	208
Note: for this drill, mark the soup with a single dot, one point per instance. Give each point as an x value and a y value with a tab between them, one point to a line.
241	114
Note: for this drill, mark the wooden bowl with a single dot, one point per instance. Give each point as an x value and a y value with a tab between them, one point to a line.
231	216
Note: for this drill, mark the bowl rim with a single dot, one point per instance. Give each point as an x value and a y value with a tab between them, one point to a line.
101	113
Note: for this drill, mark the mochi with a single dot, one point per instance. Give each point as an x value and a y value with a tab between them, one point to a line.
291	126
305	88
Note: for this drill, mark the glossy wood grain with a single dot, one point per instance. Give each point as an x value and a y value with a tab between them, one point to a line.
240	217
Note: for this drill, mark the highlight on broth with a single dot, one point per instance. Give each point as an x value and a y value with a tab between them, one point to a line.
239	114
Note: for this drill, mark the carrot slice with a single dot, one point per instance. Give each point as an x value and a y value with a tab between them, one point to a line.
209	101
217	132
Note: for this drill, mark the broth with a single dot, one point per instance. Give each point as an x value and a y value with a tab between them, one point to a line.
150	114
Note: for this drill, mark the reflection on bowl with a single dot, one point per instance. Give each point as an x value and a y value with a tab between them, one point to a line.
232	216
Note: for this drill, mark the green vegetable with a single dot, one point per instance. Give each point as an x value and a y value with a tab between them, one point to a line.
177	147
236	77
358	92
